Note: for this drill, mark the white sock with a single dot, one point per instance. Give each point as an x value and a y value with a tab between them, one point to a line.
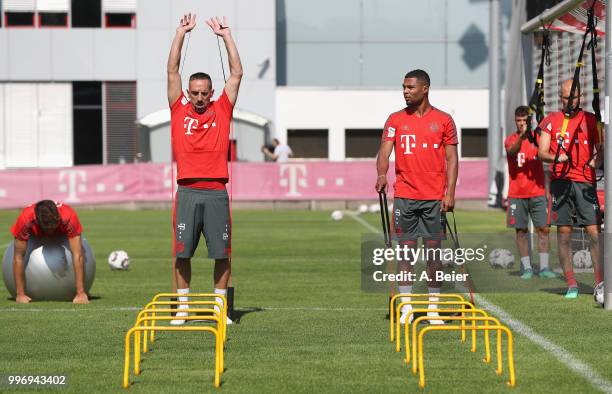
407	289
526	262
183	307
433	293
183	299
432	298
220	299
406	308
543	261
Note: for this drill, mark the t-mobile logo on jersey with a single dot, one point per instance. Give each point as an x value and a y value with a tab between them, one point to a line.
408	141
189	124
520	159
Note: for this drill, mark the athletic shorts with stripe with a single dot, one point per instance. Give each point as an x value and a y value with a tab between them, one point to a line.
413	219
198	212
569	198
519	210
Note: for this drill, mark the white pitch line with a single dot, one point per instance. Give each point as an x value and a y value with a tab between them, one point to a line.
363	222
84	309
563	356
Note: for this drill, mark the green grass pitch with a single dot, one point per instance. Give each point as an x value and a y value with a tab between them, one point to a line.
306	325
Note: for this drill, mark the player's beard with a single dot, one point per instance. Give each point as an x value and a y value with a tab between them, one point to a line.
199	108
411	103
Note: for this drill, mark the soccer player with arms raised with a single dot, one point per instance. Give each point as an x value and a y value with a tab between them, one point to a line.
200	131
425	142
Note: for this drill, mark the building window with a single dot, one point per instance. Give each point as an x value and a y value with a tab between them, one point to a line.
19	19
87	118
53	19
120	122
120	20
362	143
308	143
86	13
119	13
473	143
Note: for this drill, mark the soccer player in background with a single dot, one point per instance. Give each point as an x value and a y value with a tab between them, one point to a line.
573	181
527	195
425	142
200	131
48	219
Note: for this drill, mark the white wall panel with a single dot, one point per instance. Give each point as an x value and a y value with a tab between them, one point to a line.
18	5
2	129
52	5
55	124
119	6
21	125
37	119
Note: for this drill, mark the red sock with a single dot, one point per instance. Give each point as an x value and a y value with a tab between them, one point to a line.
569	278
598	277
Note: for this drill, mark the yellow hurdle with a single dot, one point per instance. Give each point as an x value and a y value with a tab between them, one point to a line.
474	320
465	304
393	299
197	295
215	332
143	319
512	379
151	308
481	312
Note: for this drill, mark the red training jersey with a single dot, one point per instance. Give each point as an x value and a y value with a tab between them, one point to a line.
420	157
26	224
580	139
526	171
200	142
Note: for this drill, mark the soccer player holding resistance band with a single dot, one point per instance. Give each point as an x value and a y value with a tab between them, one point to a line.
425	142
200	131
572	185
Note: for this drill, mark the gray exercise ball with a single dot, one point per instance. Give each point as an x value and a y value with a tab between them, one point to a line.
49	275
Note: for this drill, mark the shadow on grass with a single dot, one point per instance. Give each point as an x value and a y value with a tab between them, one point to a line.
582	289
239	313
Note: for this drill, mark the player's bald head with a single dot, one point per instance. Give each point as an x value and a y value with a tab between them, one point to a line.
566	88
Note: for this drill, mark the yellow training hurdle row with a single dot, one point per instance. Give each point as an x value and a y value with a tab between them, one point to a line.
212	310
462	304
393	317
481	312
465	313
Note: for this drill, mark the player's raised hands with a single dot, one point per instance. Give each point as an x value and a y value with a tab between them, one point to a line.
187	23
219	26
